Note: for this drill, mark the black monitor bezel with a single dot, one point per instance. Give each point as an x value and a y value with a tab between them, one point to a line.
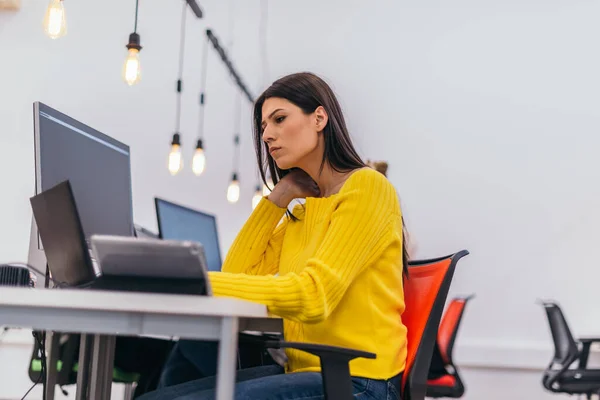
157	200
38	108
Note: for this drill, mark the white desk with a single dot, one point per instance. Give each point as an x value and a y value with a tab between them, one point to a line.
106	314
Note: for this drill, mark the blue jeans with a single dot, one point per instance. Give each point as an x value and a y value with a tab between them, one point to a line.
260	383
193	359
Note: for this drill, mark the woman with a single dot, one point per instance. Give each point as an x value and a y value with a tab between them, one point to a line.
332	268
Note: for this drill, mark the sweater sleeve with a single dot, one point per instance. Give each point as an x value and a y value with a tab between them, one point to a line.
361	227
257	247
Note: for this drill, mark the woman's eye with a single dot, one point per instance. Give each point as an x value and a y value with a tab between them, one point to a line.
279	119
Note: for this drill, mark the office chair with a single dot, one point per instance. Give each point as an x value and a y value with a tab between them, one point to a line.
67	365
559	377
138	377
444	379
425	292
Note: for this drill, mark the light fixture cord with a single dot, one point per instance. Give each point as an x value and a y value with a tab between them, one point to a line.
263	29
136	16
203	88
262	39
180	77
236	153
231	24
238	96
237	127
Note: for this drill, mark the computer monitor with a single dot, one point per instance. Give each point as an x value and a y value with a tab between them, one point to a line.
97	167
176	222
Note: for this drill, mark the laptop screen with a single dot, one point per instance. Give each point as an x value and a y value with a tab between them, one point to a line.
60	229
176	222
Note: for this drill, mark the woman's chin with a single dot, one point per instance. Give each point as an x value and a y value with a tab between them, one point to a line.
283	165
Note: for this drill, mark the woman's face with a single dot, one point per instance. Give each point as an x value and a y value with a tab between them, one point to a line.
294	139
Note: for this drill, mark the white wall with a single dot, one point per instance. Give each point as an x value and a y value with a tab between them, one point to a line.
487	112
80	75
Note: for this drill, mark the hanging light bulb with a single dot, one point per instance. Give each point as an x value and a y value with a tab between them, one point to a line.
131	69
175	159
233	191
55	21
258	195
199	160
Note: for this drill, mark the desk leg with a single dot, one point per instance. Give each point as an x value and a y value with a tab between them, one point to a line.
83	371
52	350
103	355
228	348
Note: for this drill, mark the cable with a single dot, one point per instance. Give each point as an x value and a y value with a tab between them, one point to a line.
182	39
262	33
42	349
262	39
136	16
238	96
203	89
236	135
231	25
39	337
236	153
180	77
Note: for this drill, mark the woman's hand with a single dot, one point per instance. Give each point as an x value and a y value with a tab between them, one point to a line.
297	184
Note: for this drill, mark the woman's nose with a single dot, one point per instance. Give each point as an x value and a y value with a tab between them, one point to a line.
268	135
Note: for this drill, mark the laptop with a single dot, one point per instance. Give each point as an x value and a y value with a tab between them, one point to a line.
125	263
177	222
61	233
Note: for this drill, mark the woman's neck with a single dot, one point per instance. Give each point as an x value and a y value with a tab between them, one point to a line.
329	180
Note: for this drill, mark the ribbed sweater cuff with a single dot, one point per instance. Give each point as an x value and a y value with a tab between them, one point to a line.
258	229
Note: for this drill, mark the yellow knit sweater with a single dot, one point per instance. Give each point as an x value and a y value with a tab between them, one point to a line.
339	273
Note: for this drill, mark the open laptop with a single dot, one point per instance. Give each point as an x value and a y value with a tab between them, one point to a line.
127	264
176	222
60	230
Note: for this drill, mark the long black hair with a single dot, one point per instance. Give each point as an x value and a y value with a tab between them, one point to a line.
307	91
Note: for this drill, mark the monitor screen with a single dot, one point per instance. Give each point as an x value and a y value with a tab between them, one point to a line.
96	165
176	222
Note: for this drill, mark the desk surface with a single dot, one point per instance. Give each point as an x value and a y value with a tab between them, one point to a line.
128	302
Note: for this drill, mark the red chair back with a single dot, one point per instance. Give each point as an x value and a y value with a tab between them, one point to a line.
449	326
425	292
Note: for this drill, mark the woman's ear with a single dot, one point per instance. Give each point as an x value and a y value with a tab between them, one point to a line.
321	118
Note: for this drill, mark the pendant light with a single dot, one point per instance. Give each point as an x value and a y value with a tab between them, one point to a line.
266	188
233	191
263	189
199	160
55	20
258	195
131	68
175	158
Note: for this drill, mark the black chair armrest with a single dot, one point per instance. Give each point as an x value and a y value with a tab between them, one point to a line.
335	368
258	338
585	350
589	340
